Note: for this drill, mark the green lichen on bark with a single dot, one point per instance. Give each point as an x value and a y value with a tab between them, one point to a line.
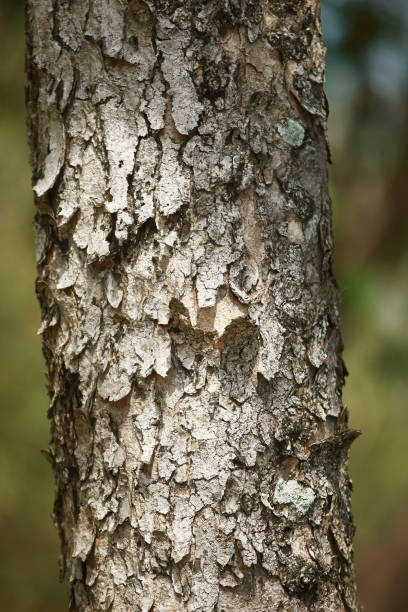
292	132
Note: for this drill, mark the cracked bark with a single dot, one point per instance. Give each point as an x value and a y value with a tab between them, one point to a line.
189	312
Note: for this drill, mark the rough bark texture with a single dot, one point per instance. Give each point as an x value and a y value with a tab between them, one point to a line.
190	316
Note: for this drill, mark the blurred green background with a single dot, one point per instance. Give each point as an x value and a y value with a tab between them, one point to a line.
367	86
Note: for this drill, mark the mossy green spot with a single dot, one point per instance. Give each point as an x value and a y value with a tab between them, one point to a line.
292	132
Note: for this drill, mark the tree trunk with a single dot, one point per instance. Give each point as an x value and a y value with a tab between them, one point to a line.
190	316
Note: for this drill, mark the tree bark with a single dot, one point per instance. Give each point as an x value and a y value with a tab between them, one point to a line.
189	312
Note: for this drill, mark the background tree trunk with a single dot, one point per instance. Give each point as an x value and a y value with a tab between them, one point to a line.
190	316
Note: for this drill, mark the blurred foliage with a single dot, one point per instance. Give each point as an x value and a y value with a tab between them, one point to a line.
28	541
367	86
368	130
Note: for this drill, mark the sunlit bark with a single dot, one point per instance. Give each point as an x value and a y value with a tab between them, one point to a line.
190	317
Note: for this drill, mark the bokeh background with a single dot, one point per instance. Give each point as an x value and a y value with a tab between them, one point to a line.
367	87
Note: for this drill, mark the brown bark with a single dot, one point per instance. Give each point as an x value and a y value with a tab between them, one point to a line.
190	317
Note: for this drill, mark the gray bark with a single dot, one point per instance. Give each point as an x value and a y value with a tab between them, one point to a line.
189	312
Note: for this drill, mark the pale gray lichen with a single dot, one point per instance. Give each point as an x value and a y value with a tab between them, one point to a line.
291	492
292	132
